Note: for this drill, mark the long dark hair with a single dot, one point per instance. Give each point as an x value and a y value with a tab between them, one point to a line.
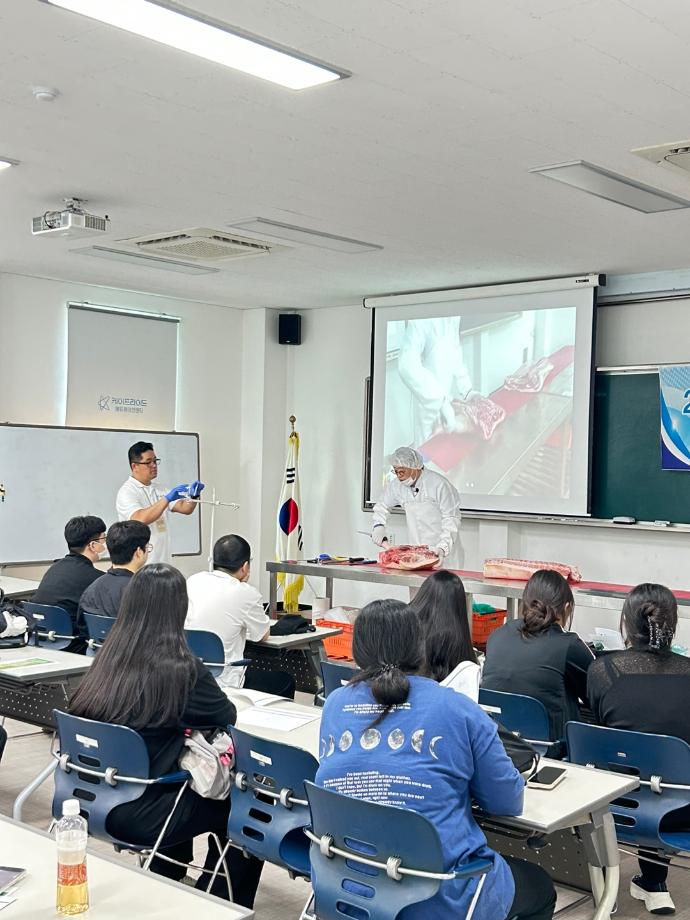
386	645
441	605
544	602
144	672
649	617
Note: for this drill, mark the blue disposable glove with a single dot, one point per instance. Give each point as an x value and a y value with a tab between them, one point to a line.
180	491
196	488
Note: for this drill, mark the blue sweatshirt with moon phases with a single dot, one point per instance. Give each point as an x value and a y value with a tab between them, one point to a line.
435	754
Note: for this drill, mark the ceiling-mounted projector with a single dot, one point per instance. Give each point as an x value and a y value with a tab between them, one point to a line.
73	221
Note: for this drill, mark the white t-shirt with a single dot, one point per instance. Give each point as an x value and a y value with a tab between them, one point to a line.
232	609
465	678
133	496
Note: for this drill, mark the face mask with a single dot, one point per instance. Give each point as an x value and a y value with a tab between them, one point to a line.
406	482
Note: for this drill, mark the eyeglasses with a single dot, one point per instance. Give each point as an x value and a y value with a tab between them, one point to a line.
155	462
100	542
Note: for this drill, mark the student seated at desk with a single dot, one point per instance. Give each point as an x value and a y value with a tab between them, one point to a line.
146	677
223	602
449	657
67	578
537	656
646	688
389	724
128	545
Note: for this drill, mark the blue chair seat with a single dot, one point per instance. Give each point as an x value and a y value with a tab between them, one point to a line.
523	715
53	625
97	628
335	675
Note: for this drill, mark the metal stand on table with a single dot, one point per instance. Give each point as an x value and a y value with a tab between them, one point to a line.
214	503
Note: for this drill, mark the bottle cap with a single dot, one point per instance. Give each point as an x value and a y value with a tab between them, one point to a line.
70	807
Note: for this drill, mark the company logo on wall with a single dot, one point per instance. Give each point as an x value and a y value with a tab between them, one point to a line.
130	404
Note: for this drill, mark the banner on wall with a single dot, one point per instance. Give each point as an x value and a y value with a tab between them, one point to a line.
121	369
674	392
289	525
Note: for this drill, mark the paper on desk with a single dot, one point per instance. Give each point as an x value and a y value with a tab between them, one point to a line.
10	663
255	697
282	720
611	639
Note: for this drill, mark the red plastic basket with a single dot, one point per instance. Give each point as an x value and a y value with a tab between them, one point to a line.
483	624
338	646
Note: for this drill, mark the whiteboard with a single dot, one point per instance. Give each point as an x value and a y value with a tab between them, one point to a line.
52	474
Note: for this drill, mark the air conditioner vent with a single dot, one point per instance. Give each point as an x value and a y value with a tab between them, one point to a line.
201	243
676	154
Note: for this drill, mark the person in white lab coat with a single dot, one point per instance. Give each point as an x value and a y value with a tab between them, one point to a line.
431	505
431	366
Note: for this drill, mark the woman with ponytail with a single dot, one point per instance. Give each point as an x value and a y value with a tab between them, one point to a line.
646	689
537	656
396	737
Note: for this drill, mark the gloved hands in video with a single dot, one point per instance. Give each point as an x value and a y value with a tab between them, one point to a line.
378	535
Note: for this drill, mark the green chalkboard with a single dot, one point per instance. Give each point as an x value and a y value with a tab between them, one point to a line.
627	478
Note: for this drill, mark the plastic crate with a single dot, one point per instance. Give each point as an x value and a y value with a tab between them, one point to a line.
338	646
483	624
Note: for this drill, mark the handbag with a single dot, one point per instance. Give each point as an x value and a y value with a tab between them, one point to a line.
525	758
15	623
290	624
209	762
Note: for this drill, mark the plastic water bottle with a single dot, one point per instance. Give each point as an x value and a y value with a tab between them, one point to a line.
71	835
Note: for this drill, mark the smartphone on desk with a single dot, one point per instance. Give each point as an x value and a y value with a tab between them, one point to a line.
9	876
547	778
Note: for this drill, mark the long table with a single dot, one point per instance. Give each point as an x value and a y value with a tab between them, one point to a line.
116	889
580	801
18	588
587	593
34	680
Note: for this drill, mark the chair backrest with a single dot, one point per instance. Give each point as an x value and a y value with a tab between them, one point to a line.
638	814
259	821
343	888
53	624
335	675
97	627
98	746
523	715
209	647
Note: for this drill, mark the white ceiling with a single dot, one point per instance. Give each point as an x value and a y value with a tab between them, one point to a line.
425	150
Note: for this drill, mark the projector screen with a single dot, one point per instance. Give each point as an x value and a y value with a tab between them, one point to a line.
493	386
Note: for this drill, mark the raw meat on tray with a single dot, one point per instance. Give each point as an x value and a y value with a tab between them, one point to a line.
529	378
523	569
408	558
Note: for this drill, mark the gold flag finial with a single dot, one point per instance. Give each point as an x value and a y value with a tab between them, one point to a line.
292	421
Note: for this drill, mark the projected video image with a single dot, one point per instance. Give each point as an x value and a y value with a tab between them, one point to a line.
487	398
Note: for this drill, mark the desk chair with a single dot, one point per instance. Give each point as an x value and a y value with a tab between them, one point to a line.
208	646
97	628
103	766
53	624
663	766
372	861
523	715
335	675
269	808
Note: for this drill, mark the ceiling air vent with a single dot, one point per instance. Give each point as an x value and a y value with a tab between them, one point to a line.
676	154
200	243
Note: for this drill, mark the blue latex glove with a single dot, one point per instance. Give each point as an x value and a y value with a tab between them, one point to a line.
196	488
180	491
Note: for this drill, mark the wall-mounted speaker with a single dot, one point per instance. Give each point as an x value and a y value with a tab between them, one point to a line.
289	329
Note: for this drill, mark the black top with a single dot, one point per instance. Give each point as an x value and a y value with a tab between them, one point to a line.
642	691
65	582
207	708
103	596
550	666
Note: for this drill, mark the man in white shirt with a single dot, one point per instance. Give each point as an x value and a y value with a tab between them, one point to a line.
223	602
138	499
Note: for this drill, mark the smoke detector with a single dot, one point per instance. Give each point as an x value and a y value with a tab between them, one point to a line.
676	154
73	221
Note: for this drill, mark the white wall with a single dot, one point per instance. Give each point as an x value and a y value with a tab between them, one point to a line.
33	374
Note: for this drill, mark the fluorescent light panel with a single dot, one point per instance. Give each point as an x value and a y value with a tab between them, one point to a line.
116	255
187	31
264	227
613	187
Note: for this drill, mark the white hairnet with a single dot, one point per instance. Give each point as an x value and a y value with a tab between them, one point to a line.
407	456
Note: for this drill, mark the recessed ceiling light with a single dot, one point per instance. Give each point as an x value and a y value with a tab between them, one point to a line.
187	31
612	186
136	258
264	227
5	163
